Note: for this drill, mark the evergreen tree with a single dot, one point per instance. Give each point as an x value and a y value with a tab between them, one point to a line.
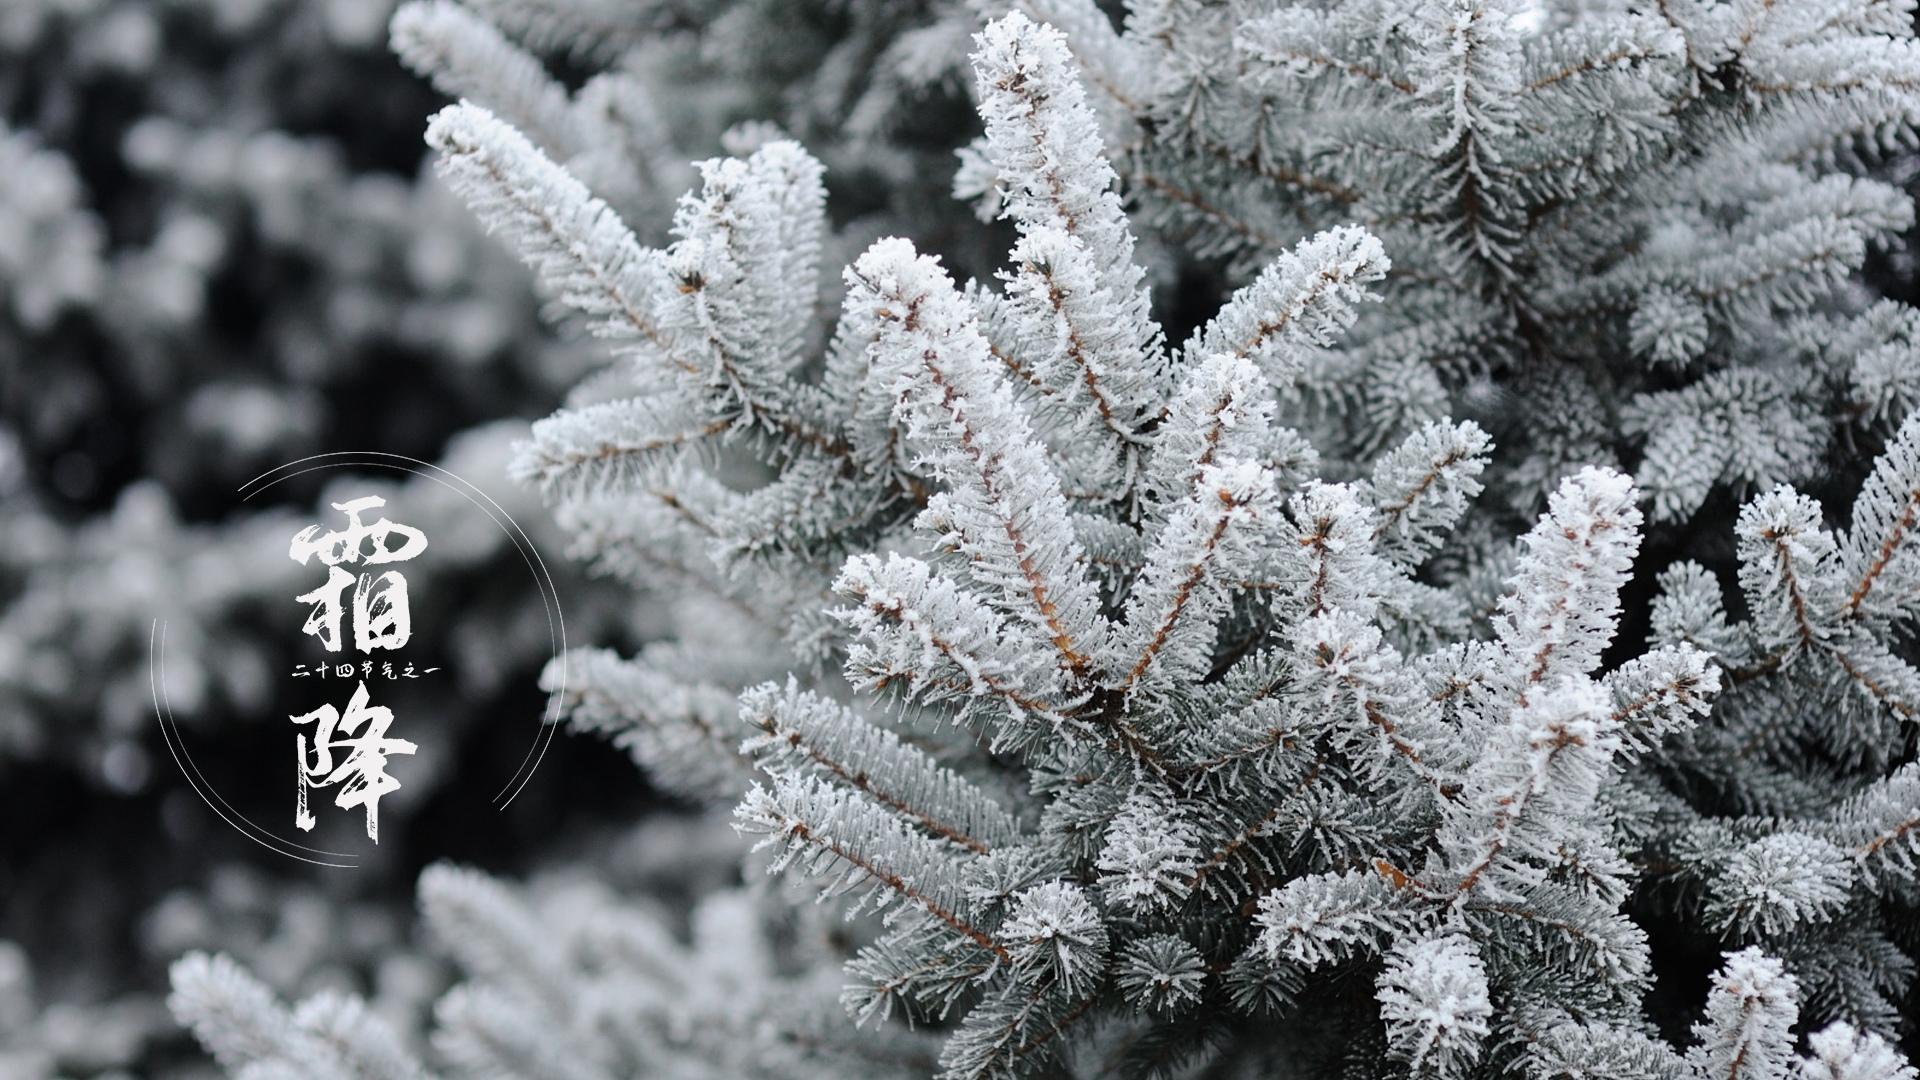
1177	708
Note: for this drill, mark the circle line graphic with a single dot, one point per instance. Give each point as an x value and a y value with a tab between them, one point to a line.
163	707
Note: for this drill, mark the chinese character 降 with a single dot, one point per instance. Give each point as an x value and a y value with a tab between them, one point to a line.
361	737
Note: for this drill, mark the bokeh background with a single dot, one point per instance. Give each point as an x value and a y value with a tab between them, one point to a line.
218	252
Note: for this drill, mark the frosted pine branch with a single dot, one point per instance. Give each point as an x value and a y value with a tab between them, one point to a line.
468	58
1003	511
574	242
800	732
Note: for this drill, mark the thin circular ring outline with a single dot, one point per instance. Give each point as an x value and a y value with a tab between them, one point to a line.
163	707
556	634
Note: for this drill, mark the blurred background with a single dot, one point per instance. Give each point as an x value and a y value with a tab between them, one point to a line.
219	252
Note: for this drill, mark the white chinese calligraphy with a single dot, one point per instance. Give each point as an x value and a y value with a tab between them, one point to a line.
361	735
381	618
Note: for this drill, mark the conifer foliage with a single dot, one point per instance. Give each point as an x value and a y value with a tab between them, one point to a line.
1160	740
1618	228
